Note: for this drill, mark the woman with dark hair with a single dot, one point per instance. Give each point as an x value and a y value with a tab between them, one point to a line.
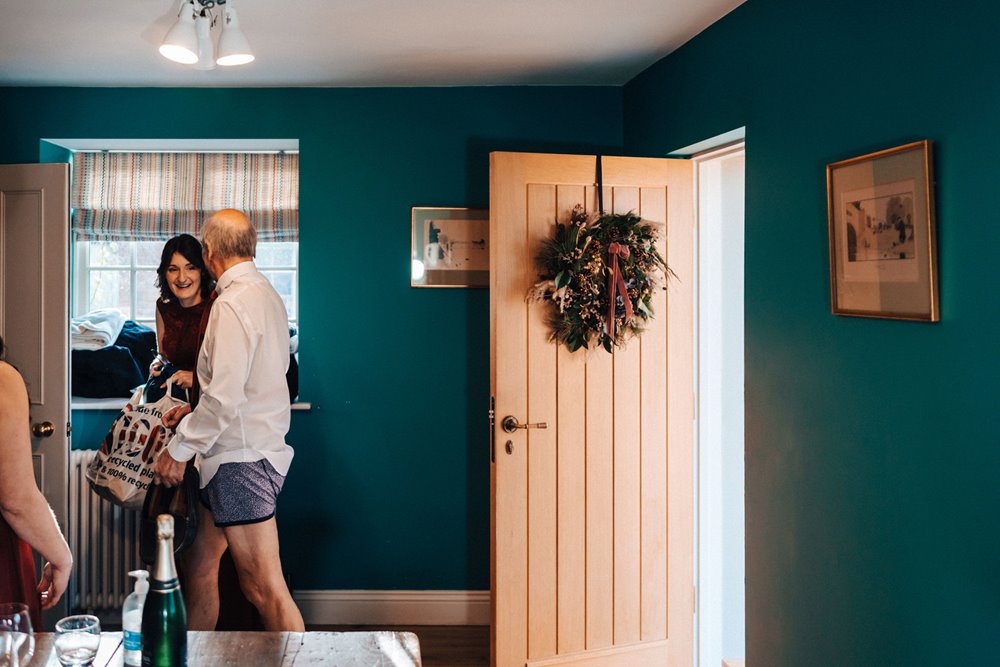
26	521
185	289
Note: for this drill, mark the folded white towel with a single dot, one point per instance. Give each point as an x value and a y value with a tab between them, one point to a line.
98	328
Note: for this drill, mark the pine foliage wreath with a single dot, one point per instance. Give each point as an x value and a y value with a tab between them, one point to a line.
592	262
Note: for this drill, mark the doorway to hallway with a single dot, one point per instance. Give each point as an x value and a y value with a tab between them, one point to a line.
720	559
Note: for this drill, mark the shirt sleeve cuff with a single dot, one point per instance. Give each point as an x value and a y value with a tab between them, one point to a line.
179	451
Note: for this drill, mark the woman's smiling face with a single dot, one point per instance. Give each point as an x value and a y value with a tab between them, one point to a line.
184	280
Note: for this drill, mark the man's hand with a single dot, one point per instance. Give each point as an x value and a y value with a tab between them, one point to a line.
173	416
168	471
53	583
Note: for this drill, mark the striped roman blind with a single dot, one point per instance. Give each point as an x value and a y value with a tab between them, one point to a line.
153	196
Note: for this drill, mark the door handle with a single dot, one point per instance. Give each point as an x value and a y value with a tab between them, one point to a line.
43	429
510	424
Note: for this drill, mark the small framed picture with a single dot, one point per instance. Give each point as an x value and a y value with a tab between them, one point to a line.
883	254
450	247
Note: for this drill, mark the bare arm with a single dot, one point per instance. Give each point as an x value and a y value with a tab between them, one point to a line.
154	368
159	331
21	503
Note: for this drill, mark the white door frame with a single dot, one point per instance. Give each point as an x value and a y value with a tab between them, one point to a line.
709	523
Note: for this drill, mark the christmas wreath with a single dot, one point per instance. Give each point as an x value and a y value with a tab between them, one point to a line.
598	273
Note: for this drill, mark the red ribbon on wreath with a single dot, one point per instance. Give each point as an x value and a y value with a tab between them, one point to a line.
617	283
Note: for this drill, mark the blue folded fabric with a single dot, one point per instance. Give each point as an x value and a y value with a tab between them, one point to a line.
116	370
155	392
110	372
141	340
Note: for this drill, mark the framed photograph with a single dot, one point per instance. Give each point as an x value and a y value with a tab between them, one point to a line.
882	239
450	247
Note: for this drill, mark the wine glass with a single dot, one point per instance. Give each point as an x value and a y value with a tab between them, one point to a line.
17	641
77	639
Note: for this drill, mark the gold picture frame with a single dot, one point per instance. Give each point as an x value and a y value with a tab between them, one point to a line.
449	247
883	248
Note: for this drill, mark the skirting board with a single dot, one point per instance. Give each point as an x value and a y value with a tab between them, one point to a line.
394	607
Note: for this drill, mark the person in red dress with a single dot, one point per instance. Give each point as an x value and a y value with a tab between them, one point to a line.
182	309
26	520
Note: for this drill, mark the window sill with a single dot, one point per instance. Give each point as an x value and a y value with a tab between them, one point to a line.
78	403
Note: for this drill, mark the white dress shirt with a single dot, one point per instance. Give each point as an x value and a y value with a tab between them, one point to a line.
244	411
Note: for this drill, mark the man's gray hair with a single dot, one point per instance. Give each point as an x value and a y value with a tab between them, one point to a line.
229	233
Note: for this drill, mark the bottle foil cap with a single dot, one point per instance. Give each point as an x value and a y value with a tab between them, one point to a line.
165	526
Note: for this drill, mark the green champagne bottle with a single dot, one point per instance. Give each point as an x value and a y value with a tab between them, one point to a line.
164	619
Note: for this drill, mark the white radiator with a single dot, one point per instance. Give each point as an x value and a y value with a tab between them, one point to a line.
104	539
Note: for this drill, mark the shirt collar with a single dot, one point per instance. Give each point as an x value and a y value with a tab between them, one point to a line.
234	272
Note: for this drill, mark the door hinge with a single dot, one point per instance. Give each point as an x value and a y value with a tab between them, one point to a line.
493	434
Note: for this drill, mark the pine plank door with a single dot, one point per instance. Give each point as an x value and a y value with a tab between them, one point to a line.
592	517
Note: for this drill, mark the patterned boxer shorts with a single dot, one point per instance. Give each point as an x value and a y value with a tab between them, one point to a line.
242	493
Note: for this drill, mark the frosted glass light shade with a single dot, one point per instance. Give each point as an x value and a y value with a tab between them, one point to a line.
234	49
181	42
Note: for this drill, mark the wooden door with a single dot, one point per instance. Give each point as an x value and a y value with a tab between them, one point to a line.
592	517
34	315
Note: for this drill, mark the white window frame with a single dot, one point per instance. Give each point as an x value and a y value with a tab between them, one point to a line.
81	279
294	321
82	271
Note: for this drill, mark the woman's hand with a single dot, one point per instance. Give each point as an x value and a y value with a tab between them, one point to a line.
53	583
183	379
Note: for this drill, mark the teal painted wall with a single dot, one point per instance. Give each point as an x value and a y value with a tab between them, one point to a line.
390	485
871	445
90	426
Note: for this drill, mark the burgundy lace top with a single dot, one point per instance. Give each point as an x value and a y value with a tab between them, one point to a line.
183	331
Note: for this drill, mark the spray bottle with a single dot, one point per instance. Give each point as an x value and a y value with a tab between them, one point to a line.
132	618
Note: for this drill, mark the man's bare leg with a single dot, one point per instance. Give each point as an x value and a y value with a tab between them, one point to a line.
201	569
255	551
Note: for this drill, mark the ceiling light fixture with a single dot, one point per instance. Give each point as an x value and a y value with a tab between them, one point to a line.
190	41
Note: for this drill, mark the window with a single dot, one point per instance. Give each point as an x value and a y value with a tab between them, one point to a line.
279	262
126	204
117	274
122	275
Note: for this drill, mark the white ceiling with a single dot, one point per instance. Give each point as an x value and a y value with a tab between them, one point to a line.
354	42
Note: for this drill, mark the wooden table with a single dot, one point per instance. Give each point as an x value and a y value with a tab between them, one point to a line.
281	649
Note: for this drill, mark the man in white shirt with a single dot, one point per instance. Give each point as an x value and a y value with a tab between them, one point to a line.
239	428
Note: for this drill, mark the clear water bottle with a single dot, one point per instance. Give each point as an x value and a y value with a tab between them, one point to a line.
132	618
